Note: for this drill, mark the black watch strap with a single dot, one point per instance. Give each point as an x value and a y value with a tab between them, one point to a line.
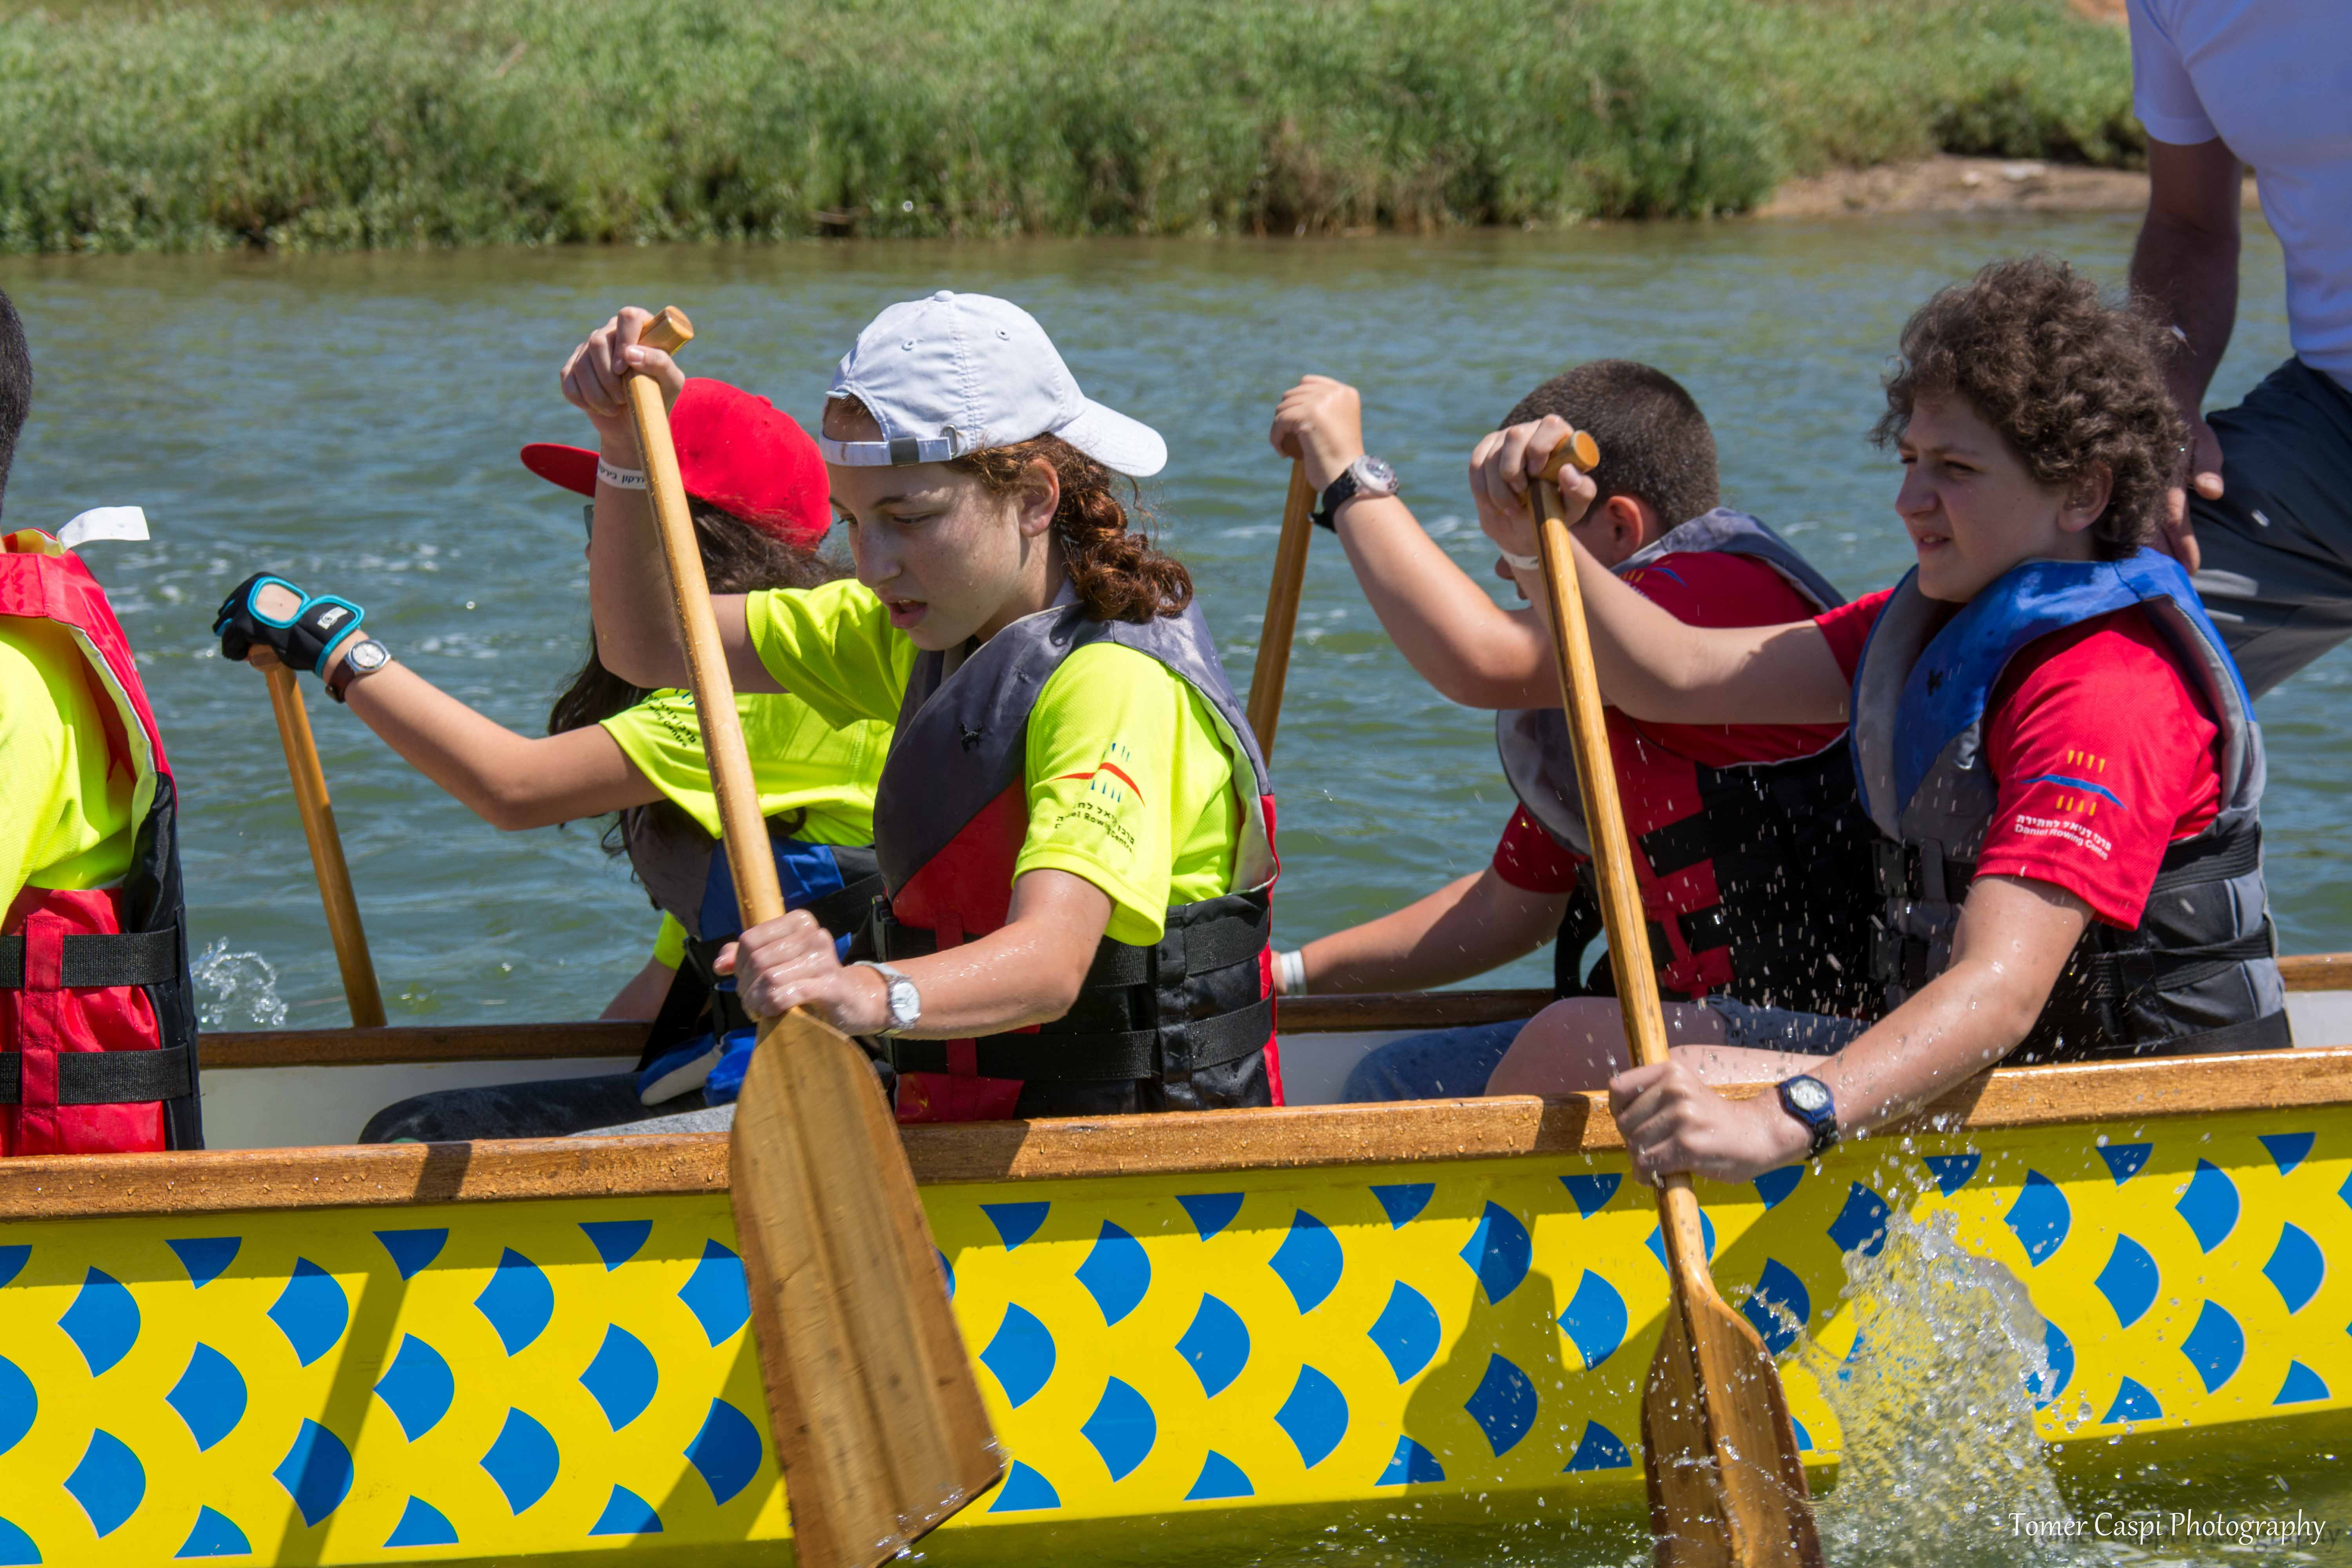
1336	494
1807	1099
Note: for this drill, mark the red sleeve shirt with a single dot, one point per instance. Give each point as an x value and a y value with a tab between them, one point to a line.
1532	860
2100	754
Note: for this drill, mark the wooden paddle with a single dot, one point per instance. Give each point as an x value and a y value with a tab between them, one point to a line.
359	992
876	1419
1726	1484
1281	609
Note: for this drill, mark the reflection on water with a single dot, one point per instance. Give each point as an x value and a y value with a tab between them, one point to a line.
351	422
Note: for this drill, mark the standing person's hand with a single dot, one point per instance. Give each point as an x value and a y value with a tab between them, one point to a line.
1500	470
592	377
2202	467
1321	422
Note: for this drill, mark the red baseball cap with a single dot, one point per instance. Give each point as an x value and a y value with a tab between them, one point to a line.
735	450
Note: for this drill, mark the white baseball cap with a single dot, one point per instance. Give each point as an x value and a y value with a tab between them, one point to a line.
954	373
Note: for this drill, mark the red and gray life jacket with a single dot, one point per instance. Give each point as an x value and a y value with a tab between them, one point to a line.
98	1023
2198	975
1184	1024
686	874
1756	877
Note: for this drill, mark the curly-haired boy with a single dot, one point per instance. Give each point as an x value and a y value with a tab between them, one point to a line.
2054	745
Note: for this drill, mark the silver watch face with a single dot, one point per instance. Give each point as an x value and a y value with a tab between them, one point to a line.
1374	477
1807	1094
906	1003
368	654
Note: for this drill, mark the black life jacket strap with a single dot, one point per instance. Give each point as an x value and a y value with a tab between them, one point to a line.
1100	1058
2130	971
91	961
844	910
679	1018
107	1077
2268	1032
2197	860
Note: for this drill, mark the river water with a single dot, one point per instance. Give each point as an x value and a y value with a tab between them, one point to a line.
351	423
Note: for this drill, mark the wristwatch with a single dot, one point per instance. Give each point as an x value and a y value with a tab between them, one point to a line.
365	656
906	1002
1367	476
1807	1100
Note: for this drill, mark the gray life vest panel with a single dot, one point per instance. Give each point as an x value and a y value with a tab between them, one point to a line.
1185	1024
1787	844
2198	974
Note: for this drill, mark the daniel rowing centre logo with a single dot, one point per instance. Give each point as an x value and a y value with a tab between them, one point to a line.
1109	779
2082	790
2078	798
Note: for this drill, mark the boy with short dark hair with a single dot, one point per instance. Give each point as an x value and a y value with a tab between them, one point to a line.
1731	824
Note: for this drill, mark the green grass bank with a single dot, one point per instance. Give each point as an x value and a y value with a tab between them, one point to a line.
375	123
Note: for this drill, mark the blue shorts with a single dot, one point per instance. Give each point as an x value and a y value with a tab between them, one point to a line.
1783	1028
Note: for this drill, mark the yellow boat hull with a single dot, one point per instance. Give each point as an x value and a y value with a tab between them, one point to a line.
1173	1356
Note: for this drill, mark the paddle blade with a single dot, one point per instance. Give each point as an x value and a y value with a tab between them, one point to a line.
876	1417
1726	1487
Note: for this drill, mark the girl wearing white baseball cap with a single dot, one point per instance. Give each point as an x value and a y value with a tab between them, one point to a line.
1074	825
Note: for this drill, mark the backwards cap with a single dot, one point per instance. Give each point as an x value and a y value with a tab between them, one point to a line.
735	450
962	372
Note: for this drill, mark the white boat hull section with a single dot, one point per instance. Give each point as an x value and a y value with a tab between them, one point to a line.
305	1107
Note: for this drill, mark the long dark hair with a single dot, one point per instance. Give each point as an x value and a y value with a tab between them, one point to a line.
737	559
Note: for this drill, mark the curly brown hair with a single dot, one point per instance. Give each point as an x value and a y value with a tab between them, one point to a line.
2071	382
1119	574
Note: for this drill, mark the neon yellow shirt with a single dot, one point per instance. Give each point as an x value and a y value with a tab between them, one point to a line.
1128	785
799	762
669	942
65	805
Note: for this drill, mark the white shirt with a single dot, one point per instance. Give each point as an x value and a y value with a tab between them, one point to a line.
2273	78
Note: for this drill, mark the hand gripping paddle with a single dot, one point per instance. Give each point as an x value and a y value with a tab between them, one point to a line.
877	1420
1726	1484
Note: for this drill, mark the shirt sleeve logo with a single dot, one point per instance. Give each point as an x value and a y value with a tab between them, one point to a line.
1107	779
2085	792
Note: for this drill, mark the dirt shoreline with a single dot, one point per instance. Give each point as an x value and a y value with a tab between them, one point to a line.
1947	183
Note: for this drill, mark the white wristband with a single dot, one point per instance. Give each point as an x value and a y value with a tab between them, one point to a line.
620	479
1521	562
1290	973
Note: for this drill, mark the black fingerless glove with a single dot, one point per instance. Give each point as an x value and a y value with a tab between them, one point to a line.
302	642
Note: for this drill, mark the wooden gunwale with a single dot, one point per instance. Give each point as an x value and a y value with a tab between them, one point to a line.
125	1185
545	1042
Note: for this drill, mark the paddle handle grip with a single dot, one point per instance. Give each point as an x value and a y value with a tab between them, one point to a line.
743	830
318	813
1273	668
1612	853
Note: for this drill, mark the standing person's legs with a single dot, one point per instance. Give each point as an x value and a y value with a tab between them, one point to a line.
1438	1065
2276	574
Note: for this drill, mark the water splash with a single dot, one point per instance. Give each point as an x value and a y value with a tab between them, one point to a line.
236	990
1939	1453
